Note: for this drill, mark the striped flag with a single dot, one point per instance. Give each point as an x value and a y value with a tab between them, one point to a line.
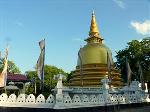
40	62
109	64
3	75
128	70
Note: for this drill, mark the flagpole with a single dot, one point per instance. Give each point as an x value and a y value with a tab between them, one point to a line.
5	82
43	68
35	86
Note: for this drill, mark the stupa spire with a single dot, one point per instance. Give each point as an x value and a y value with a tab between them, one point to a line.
94	35
93	28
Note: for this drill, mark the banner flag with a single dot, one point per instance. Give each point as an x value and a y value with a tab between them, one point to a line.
40	62
3	75
128	70
141	77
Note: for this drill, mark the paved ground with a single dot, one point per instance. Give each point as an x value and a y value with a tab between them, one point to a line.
140	109
130	108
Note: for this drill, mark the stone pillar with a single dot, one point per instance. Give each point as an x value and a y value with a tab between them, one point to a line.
105	88
59	96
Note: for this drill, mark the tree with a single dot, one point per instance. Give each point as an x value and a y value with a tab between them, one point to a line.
136	52
68	77
12	68
49	83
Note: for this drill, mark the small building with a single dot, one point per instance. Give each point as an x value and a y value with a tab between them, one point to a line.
16	83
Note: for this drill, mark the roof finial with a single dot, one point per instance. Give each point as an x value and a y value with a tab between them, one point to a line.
93	13
94	35
93	27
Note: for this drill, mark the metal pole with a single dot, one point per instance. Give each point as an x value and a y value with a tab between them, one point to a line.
5	89
35	86
43	68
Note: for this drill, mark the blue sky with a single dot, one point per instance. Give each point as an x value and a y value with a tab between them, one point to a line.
65	24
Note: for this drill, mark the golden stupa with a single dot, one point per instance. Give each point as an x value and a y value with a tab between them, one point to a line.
92	63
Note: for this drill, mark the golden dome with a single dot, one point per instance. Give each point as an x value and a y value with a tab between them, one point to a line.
94	53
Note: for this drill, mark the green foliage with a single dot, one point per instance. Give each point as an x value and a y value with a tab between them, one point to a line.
68	77
136	51
49	83
12	68
31	74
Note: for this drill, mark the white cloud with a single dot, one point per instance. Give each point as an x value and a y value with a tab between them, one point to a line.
141	27
120	3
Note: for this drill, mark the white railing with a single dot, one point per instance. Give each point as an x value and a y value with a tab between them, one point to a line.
77	100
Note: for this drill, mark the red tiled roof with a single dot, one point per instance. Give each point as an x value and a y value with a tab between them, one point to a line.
16	77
